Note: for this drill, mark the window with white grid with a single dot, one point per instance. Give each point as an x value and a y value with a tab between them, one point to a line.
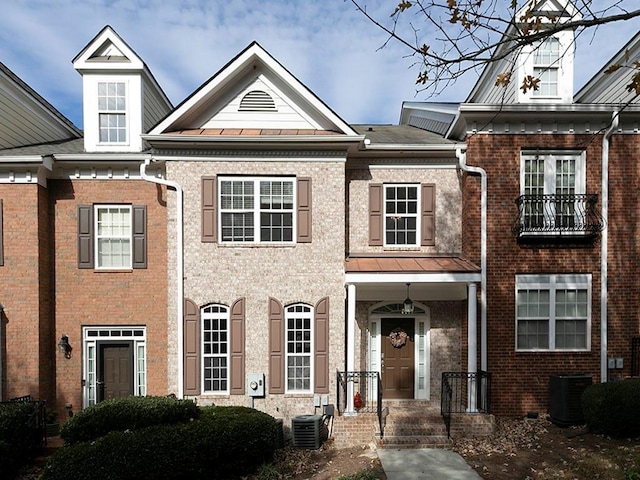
112	108
299	347
113	229
257	210
215	349
401	215
553	312
546	64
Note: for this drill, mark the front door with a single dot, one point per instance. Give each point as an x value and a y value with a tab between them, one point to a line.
398	357
115	370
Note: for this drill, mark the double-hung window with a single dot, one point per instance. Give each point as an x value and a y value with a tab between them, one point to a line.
257	210
112	107
546	60
551	183
113	236
299	348
215	349
553	312
402	214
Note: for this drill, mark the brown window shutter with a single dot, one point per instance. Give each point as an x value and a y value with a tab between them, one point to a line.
304	210
321	359
428	222
237	348
1	237
276	346
191	348
139	236
209	228
376	214
85	236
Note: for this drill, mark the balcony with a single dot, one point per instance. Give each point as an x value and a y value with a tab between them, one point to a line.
561	217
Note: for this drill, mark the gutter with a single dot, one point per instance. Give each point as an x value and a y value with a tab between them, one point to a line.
462	159
604	243
179	266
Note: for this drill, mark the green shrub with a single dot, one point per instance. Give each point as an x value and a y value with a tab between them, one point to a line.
612	408
223	443
16	436
127	413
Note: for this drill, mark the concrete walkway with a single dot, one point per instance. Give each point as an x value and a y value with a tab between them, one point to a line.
425	464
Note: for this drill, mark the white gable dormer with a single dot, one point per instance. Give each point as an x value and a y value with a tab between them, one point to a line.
120	96
550	61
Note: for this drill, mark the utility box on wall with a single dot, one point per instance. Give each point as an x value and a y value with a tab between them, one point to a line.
565	398
255	384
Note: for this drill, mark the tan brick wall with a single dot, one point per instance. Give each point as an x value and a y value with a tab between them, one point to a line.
299	273
448	206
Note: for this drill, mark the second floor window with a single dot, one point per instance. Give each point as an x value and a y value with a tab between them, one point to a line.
401	215
113	236
546	65
112	105
257	210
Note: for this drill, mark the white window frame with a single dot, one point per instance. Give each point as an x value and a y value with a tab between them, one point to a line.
550	185
215	312
98	237
137	335
554	283
394	216
546	68
255	210
118	110
292	314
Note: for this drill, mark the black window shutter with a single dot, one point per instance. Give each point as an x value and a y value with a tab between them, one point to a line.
85	236
139	236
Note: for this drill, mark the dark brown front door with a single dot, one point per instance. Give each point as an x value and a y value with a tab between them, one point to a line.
398	362
115	371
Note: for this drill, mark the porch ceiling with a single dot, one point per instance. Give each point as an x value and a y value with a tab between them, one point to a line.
384	277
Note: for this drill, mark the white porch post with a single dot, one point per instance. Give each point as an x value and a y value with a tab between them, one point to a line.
472	346
351	345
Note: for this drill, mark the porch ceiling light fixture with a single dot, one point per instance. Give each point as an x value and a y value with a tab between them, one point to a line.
407	306
64	346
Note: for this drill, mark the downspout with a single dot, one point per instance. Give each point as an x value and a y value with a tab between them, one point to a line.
462	162
604	269
179	266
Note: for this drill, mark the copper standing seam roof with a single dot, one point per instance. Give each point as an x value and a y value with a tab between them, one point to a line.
251	132
409	264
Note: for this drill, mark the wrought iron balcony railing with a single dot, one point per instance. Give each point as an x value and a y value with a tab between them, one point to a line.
562	215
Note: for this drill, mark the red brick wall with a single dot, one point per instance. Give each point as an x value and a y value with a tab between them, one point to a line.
89	297
520	379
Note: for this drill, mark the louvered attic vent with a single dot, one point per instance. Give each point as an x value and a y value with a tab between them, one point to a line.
257	101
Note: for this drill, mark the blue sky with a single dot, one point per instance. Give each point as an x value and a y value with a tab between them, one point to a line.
326	44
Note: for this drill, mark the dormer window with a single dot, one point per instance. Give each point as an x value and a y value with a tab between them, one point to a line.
546	60
112	101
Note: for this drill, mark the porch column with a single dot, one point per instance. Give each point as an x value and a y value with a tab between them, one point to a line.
472	346
351	345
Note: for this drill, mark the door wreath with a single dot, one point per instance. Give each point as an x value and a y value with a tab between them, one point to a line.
398	337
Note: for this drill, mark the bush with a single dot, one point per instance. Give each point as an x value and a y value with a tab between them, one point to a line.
612	408
127	413
224	443
16	436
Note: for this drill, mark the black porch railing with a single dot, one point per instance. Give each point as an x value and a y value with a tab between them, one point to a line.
36	421
455	394
561	215
367	392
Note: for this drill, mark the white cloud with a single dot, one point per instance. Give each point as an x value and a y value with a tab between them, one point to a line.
326	44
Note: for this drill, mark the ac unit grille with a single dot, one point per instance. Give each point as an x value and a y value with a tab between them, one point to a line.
565	398
306	431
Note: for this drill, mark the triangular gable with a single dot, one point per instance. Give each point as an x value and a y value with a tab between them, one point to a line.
611	87
215	105
547	9
104	50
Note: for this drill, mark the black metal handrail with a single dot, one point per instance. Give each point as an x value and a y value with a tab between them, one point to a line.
635	357
558	215
36	421
367	391
454	394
